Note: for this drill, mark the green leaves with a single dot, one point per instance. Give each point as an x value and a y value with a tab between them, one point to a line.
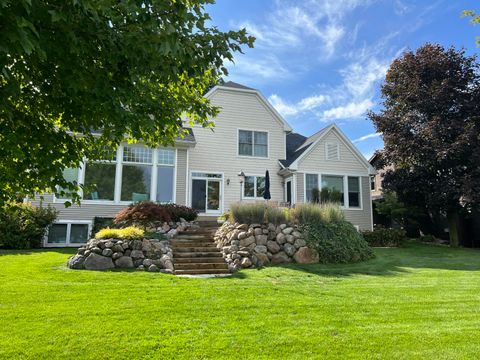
129	69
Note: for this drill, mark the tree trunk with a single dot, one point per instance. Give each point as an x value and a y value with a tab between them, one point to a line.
452	217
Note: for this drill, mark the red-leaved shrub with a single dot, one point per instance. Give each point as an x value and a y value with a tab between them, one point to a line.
142	213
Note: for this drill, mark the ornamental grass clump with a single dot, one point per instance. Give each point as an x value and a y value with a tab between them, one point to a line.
248	213
128	233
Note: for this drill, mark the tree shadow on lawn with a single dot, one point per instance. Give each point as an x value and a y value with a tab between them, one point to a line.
67	251
391	261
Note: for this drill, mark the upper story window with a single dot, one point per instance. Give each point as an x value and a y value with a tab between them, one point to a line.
253	143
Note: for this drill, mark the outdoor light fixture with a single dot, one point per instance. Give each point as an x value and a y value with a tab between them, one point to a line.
241	173
228	181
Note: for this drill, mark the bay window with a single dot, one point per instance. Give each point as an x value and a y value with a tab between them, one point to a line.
253	143
334	185
254	186
311	183
99	181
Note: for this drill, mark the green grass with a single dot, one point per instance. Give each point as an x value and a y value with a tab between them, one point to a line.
418	302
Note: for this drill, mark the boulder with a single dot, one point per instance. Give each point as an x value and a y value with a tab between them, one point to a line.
271	227
261	239
255	226
242	235
262	259
141	268
287	231
261	249
136	244
117	248
137	254
289	249
117	255
147	262
76	262
153	268
280	258
98	262
124	262
282	226
281	238
290	239
273	247
300	243
247	241
109	244
297	234
96	250
258	231
305	255
246	262
243	227
107	252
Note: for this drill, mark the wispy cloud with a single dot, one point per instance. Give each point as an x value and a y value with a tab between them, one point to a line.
366	137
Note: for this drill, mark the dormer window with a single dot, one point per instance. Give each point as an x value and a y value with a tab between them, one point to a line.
253	143
332	151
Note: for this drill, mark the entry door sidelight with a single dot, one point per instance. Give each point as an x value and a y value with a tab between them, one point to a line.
213	195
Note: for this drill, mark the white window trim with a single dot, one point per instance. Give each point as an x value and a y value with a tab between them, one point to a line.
345	206
69	224
255	197
253	144
222	189
118	177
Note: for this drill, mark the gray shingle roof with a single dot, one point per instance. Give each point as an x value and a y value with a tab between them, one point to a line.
294	141
235	85
189	137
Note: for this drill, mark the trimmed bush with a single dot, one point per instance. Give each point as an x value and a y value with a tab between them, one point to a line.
385	237
178	212
100	223
147	213
22	226
128	233
248	213
142	214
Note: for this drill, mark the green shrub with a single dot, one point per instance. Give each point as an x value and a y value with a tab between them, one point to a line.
311	213
178	212
248	213
22	226
336	241
147	213
100	223
128	233
385	237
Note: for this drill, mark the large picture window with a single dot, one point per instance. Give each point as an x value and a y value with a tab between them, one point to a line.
337	188
254	186
253	143
137	174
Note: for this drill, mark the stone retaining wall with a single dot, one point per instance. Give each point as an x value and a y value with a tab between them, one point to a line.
253	245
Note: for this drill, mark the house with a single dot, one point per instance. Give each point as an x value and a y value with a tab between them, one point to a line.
209	170
377	179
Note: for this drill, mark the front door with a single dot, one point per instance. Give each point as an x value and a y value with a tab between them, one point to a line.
289	192
207	195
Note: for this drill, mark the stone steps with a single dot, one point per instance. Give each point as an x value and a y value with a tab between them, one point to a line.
195	253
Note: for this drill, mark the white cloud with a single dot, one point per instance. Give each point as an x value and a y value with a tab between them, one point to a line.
366	137
262	70
305	104
348	111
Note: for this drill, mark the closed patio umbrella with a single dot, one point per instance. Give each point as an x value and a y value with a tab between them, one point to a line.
266	194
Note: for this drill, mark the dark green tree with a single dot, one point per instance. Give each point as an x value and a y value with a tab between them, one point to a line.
431	129
128	68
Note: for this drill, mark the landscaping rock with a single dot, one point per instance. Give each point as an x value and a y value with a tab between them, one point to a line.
96	250
262	259
280	258
273	247
261	249
305	255
290	239
107	252
281	238
247	241
98	262
246	262
76	262
300	243
289	249
141	268
258	231
261	239
124	262
287	231
137	254
117	248
153	268
117	255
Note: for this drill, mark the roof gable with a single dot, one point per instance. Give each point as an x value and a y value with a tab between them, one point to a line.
234	87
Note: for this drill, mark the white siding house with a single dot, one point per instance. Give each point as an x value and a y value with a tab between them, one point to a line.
212	169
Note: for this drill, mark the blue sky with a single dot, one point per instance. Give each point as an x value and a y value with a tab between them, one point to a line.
323	61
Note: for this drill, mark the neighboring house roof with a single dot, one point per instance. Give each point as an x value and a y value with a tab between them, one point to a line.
189	137
232	86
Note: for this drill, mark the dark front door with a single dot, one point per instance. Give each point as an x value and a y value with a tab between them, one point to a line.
289	192
199	194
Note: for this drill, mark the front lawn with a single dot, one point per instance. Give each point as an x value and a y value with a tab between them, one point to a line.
419	302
